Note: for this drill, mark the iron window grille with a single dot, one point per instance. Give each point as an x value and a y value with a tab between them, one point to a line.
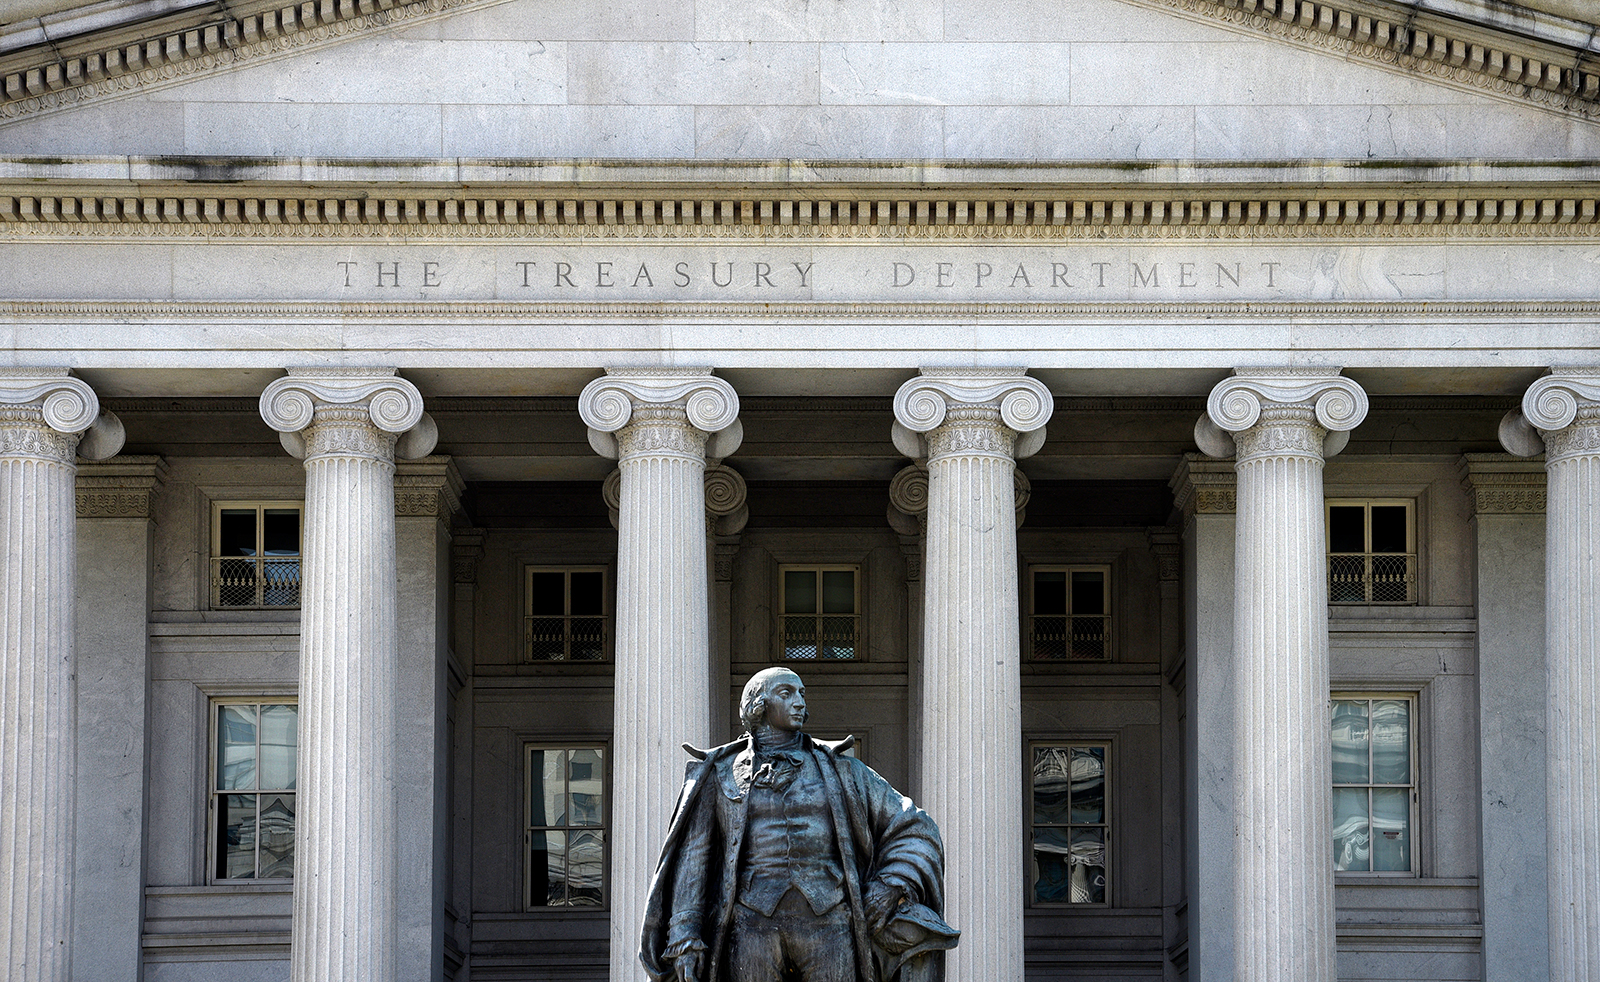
1069	613
255	555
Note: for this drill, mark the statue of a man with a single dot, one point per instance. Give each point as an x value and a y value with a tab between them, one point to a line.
787	860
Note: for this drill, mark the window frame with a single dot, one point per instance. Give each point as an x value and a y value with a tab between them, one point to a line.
607	614
857	617
1107	823
1412	554
1106	570
1414	701
529	749
214	557
214	707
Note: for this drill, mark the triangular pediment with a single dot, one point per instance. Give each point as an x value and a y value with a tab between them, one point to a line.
919	79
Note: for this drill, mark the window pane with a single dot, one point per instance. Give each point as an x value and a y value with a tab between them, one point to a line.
237	532
585	868
236	836
277	835
1088	592
1391	741
1350	831
1088	873
278	748
1052	878
1391	829
1389	528
799	591
838	591
280	531
1052	782
1088	785
1346	528
547	869
236	747
1350	733
588	592
585	775
1050	592
547	592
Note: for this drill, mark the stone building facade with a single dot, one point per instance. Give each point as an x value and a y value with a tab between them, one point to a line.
1162	431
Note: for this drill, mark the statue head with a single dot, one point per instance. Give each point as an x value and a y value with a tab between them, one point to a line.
759	696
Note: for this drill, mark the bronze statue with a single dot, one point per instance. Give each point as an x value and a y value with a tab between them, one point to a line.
788	861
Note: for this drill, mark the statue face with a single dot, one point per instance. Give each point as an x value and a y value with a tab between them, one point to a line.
786	703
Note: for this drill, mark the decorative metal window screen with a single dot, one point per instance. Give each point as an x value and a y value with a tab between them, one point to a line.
253	795
1069	827
1071	613
567	615
820	612
565	838
1371	557
1374	784
255	560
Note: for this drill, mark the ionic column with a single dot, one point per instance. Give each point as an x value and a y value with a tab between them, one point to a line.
1281	423
43	414
1561	413
660	426
344	423
971	425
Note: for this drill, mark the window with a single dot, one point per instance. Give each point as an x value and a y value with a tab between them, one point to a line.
567	614
565	839
821	612
255	554
1070	613
1374	783
1372	554
1068	822
253	793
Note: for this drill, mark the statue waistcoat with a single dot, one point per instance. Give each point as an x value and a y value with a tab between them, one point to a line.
789	844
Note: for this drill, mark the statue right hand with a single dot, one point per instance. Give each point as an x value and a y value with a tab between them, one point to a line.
687	966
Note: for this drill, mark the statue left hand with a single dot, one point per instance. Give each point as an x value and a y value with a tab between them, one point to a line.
883	900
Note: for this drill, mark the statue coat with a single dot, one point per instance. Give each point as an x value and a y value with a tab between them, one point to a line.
881	835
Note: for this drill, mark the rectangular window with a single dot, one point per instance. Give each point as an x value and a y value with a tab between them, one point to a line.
568	614
253	793
1069	823
820	611
1070	613
255	554
1372	552
1374	783
565	838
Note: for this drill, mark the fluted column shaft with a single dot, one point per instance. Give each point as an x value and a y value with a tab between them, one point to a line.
1283	864
1565	409
42	413
971	721
346	857
657	425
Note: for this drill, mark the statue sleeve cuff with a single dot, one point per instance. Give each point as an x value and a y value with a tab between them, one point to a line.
682	947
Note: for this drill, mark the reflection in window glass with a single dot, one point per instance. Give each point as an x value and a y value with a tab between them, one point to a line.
565	837
1374	782
253	800
1070	833
255	561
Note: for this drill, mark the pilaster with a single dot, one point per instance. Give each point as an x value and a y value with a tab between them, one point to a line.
43	414
1562	412
346	423
971	425
1281	423
1508	503
660	426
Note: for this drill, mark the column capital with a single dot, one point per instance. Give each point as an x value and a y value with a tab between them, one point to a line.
706	402
363	410
1021	402
46	412
1295	399
1560	416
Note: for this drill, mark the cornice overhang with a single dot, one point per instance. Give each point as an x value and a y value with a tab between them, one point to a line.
193	197
1505	50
